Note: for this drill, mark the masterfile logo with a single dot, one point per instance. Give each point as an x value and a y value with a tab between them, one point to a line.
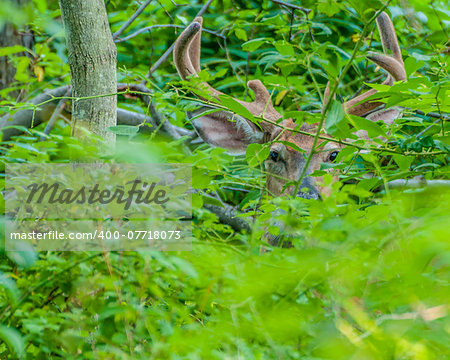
98	206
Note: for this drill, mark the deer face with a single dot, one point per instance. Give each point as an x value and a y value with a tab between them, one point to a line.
285	165
287	169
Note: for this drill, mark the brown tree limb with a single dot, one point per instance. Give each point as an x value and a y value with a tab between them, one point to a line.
228	215
31	117
42	107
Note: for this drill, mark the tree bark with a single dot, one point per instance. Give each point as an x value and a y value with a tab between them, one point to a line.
10	35
92	61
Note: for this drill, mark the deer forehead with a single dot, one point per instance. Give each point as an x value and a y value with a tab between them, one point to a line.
304	142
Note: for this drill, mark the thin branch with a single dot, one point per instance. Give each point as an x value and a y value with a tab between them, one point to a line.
291	21
165	56
292	6
292	9
133	17
427	128
435	115
144	93
56	114
140	31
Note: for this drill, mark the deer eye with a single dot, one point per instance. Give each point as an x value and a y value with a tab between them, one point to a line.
274	155
333	155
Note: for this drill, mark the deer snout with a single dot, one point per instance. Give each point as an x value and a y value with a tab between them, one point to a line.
308	190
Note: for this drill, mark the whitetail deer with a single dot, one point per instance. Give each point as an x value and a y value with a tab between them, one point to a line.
284	163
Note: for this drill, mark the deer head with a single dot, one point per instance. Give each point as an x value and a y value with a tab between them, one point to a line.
284	163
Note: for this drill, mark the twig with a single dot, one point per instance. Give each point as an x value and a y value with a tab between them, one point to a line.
247	65
58	110
292	9
310	29
427	128
374	80
144	93
140	31
292	6
164	57
440	113
435	115
290	24
158	63
133	17
56	114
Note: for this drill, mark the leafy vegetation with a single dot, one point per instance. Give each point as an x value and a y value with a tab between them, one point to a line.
366	273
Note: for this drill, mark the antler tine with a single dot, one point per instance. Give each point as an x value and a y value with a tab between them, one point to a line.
392	64
388	37
186	56
186	53
181	57
195	47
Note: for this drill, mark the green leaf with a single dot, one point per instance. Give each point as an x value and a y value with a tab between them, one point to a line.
13	340
251	196
403	162
10	288
240	34
41	5
335	122
254	44
412	65
23	255
256	154
197	201
372	128
329	7
22	73
237	108
292	145
211	201
13	50
284	48
125	130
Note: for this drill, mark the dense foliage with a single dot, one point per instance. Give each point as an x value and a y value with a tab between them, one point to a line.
367	274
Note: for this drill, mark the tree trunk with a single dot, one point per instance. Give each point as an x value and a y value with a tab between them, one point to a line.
92	61
10	36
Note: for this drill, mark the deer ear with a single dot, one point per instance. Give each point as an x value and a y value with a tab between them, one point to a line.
226	130
388	116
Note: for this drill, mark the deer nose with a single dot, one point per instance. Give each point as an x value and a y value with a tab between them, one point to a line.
311	194
308	190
